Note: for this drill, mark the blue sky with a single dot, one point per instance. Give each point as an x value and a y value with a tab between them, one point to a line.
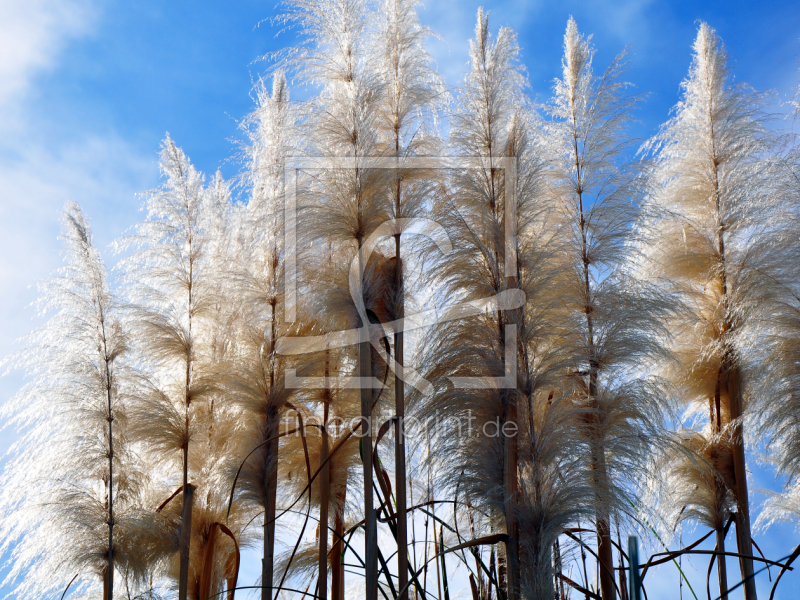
88	89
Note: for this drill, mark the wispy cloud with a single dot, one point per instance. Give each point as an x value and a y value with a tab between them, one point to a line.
33	33
39	173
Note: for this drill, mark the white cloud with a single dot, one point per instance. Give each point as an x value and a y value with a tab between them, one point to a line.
33	32
39	173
